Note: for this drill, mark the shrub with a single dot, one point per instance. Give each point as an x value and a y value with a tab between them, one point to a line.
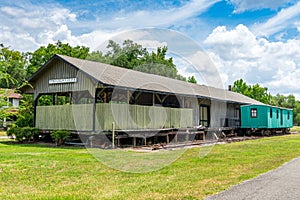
24	133
60	136
25	120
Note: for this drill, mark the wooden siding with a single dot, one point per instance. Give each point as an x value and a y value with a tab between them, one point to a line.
127	117
62	70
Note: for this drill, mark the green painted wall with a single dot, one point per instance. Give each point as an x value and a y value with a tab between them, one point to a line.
264	117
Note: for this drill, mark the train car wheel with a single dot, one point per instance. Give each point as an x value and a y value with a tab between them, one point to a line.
248	132
267	133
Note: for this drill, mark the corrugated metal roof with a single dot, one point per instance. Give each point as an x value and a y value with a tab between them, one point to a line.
117	76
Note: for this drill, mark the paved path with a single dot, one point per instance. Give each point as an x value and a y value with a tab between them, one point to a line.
281	183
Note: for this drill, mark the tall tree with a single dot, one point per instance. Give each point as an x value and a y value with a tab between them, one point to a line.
134	56
284	101
127	56
39	57
157	63
240	86
254	91
12	68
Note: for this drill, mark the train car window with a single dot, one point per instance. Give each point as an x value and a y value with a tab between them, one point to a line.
271	113
253	112
288	115
277	114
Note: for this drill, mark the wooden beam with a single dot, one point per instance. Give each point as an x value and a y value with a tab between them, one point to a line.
94	112
128	96
134	141
183	102
163	99
153	99
137	96
168	139
34	110
158	97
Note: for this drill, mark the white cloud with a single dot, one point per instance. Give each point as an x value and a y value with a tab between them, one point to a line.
243	5
96	40
47	23
239	54
13	12
27	26
283	19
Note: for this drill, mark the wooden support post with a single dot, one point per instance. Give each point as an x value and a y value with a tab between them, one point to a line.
176	138
186	136
113	136
53	99
34	110
128	96
134	141
183	102
153	99
94	112
118	142
145	139
168	139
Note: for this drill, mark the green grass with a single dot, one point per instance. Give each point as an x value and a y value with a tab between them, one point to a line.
296	129
39	172
3	133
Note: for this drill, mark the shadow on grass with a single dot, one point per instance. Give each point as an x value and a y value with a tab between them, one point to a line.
39	144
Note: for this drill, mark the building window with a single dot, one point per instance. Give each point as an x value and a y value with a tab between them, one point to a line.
254	112
271	113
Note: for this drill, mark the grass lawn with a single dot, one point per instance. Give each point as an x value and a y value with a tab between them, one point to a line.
3	133
39	172
296	129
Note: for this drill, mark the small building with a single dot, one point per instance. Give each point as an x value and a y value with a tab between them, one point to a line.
11	104
86	96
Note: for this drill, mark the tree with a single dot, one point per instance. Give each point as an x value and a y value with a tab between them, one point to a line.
297	113
98	56
12	68
255	91
241	87
134	56
39	57
284	101
127	56
192	80
259	93
157	63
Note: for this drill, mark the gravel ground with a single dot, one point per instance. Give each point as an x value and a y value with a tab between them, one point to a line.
281	183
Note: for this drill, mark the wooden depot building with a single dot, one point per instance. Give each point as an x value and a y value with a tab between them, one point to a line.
88	97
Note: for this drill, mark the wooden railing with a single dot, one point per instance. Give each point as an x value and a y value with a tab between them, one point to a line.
126	117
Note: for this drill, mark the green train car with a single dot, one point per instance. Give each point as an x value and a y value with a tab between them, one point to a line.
266	119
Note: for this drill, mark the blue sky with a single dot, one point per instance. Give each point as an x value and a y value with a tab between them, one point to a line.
257	40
